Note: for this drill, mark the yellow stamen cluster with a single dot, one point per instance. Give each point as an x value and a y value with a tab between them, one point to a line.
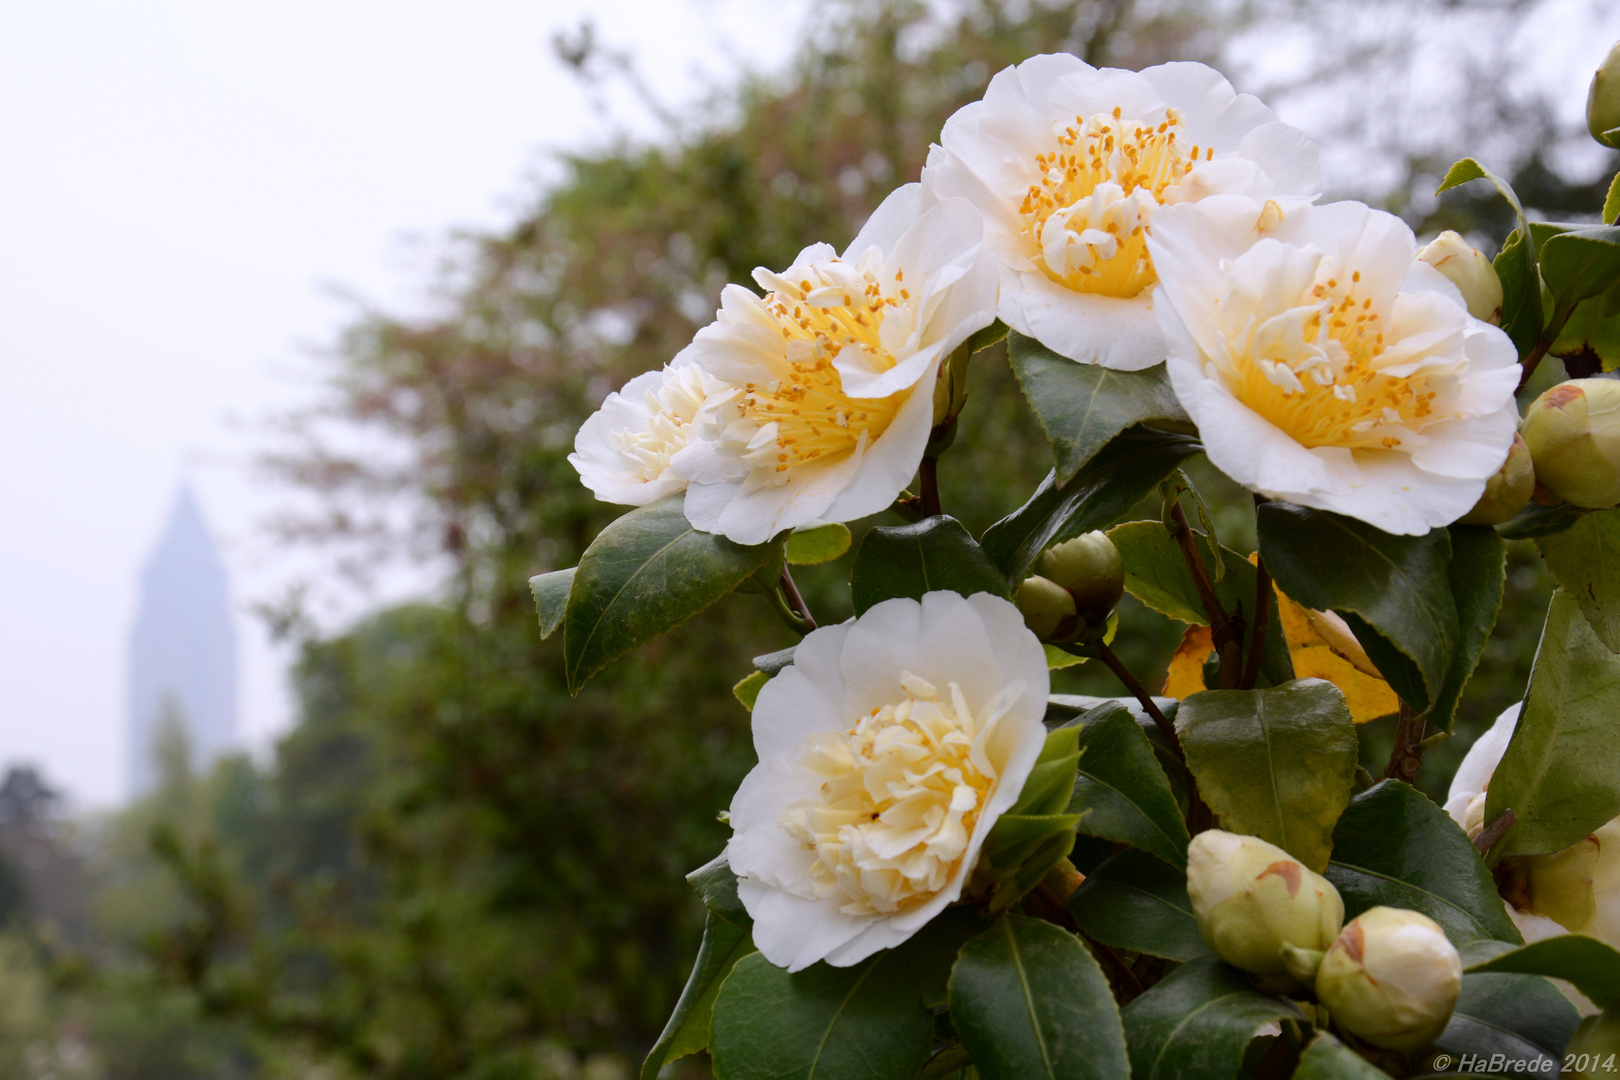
803	413
1324	383
1106	160
899	800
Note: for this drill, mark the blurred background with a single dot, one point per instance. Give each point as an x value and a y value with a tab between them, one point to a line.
300	307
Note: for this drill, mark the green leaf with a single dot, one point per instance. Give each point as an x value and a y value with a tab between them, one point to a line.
1522	315
1278	764
551	598
1591	965
1594	325
1561	771
1585	561
1611	202
1083	406
1196	1022
870	1021
1477	572
1118	477
1394	591
1134	901
824	543
1393	847
1121	790
1468	169
716	886
1157	574
910	560
1536	521
644	574
1521	1017
1027	1000
687	1031
1579	264
1329	1059
747	690
1057	659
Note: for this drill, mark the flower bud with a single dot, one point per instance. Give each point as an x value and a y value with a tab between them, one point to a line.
1391	978
1603	99
1047	607
1573	432
1507	491
1258	907
1089	566
1466	267
1591	1053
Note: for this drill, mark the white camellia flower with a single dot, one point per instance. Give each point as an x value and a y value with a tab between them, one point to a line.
1324	364
1069	164
831	374
622	452
887	750
1581	885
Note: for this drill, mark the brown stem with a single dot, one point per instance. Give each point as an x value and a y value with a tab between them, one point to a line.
795	600
1225	630
1490	834
1407	755
1257	636
1531	361
928	473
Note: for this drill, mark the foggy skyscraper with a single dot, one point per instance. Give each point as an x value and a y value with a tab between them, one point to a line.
183	649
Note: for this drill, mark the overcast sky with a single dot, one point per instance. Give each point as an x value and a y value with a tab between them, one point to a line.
182	184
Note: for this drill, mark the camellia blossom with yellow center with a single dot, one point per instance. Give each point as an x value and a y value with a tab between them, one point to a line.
887	750
831	373
623	452
1069	164
1325	365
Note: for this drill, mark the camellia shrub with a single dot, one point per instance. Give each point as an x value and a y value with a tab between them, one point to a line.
903	894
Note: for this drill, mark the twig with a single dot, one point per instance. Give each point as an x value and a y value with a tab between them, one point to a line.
1141	695
800	608
1407	755
1490	834
928	473
1257	636
1531	361
1226	631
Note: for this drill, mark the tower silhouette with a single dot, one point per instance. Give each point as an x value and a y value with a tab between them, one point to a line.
183	648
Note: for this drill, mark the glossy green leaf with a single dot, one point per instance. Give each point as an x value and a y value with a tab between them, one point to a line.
747	690
551	598
1579	264
824	543
1522	315
1157	574
1329	1059
644	574
1561	772
1595	326
1536	521
1394	591
1393	847
1196	1023
1057	659
1081	407
1278	764
687	1031
870	1021
1122	792
1467	170
1116	478
910	560
1477	573
1585	561
716	886
1521	1017
1134	901
1028	1001
1592	966
1611	202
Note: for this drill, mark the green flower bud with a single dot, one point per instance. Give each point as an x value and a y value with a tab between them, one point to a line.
1258	907
1507	491
1591	1053
1391	978
1603	99
1048	608
1089	566
1573	432
1466	267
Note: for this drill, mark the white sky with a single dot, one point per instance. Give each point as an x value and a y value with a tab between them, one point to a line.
181	184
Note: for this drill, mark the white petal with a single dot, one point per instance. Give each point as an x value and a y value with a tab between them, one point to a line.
1480	762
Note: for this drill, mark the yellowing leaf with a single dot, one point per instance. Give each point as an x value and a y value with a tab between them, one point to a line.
1322	647
1186	675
